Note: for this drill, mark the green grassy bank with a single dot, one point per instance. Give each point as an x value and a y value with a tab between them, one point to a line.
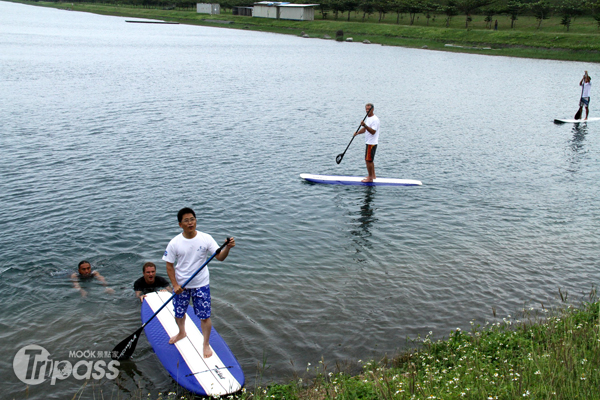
541	355
550	41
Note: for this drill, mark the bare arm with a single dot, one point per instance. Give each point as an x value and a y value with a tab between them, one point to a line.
368	129
171	272
140	295
102	281
361	131
75	281
225	252
583	79
76	285
100	278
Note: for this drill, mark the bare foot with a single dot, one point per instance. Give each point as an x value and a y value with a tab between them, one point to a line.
207	351
177	337
367	180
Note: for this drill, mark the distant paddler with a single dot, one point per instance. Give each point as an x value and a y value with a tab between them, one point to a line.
586	86
370	127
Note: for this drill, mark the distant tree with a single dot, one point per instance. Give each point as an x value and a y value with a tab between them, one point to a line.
541	10
382	7
467	7
429	8
569	9
336	6
489	16
413	7
367	7
513	9
324	6
349	6
397	6
594	6
450	10
227	4
566	21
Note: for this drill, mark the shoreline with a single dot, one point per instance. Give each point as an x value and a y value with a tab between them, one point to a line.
526	43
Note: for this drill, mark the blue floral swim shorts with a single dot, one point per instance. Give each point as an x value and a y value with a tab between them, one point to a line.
200	300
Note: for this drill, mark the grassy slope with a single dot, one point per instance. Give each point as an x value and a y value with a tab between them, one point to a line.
538	356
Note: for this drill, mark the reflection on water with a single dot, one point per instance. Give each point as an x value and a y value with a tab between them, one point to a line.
365	218
579	132
576	145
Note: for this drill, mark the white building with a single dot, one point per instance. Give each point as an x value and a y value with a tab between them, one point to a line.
283	10
208	8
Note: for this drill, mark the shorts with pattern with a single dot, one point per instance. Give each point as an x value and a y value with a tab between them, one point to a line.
370	152
585	102
200	300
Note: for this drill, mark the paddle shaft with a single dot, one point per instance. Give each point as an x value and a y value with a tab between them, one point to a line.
341	156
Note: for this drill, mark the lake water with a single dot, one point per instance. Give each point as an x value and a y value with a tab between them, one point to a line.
108	128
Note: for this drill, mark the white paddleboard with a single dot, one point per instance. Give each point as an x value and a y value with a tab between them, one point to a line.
218	375
574	121
356	180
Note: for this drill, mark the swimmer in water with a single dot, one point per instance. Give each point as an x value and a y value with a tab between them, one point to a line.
84	271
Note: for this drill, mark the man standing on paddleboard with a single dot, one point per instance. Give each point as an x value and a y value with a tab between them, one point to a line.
586	82
370	126
185	254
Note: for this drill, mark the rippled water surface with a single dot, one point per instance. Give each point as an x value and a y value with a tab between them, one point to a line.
108	128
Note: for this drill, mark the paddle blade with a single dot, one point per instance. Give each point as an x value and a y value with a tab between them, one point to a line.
578	114
125	349
339	157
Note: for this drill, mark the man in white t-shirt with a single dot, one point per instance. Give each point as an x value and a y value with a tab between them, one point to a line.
185	254
370	127
586	82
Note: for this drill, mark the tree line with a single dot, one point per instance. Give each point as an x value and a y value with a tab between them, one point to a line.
540	9
568	10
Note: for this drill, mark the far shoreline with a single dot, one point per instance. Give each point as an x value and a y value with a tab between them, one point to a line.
524	43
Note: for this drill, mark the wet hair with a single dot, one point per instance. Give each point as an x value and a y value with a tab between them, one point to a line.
148	265
83	262
183	211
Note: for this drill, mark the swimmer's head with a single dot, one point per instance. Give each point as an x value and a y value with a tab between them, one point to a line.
84	268
149	270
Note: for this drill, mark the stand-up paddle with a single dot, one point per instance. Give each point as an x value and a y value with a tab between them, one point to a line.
578	113
125	349
339	157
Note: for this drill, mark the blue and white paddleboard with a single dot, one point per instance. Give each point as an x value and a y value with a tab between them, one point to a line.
219	375
575	121
356	180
